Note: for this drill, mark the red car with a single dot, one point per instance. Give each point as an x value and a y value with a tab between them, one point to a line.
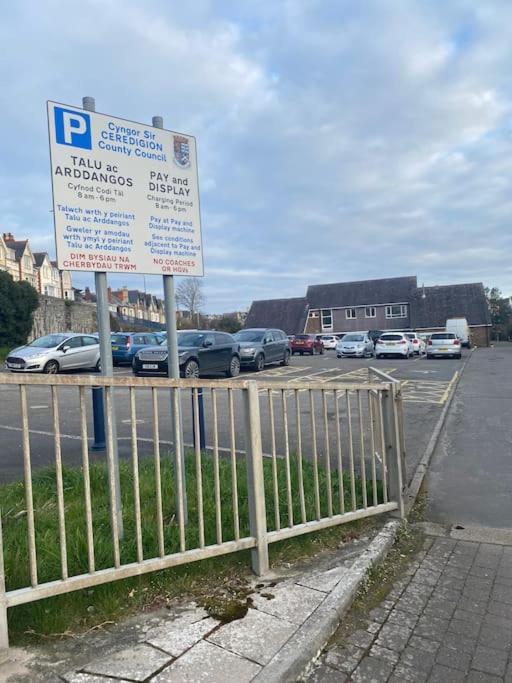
306	343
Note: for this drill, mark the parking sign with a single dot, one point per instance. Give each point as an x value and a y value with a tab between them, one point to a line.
125	195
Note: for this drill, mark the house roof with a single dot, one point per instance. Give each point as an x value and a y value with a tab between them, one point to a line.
288	315
39	257
361	293
431	306
18	246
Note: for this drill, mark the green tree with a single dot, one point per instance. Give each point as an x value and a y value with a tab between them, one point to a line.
228	322
499	307
18	301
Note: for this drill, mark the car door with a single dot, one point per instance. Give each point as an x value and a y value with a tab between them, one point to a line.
91	351
224	344
73	352
270	347
208	354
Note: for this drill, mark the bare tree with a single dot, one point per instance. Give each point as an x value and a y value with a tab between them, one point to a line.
190	296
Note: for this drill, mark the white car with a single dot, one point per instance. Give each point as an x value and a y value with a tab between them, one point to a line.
417	342
329	341
355	345
394	344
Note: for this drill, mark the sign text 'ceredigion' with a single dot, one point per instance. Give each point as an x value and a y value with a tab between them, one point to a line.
125	195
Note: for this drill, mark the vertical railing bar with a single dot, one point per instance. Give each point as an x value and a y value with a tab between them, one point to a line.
351	451
199	474
383	451
158	474
87	480
299	458
180	504
135	474
287	459
234	476
216	474
111	477
28	487
4	626
59	484
315	454
362	451
341	489
275	482
327	454
372	446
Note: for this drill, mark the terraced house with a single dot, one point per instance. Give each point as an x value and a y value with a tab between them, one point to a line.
18	259
385	304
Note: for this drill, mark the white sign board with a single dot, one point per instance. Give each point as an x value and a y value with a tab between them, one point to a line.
125	195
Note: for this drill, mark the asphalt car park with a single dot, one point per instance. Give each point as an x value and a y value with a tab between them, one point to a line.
425	384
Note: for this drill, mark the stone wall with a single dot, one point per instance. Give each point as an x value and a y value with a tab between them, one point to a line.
58	315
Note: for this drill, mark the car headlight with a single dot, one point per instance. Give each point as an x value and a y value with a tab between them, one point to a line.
249	350
40	356
182	353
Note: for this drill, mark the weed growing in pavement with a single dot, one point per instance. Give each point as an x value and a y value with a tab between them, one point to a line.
81	609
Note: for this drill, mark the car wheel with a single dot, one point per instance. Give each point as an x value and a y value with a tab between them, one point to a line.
191	369
321	350
51	368
97	367
259	362
459	356
234	367
338	355
286	358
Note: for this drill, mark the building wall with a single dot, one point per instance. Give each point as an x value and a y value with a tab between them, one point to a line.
480	336
57	315
340	323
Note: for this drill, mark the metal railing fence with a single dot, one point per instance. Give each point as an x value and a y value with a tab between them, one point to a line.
277	462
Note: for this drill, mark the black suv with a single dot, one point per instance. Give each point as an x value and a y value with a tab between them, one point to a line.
201	352
261	346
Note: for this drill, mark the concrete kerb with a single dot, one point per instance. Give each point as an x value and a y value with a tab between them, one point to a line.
307	642
422	467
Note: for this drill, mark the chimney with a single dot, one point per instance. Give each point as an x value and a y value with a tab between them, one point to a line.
125	294
109	294
9	237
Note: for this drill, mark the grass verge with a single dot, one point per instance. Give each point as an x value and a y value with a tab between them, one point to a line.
87	608
4	352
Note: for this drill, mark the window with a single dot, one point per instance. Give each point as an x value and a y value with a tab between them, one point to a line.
313	314
399	311
370	312
90	341
350	313
74	342
327	319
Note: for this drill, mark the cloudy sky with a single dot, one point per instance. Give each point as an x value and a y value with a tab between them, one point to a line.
337	140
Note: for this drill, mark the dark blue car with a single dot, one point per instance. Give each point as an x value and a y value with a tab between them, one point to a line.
126	344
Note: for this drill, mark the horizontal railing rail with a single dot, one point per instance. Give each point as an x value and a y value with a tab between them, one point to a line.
264	462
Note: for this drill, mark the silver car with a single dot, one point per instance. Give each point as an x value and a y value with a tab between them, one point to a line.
356	345
55	352
444	344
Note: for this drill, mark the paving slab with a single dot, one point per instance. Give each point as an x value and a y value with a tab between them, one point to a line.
177	637
292	602
258	636
208	662
324	581
135	664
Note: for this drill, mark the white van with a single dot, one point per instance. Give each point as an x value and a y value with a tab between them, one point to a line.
459	327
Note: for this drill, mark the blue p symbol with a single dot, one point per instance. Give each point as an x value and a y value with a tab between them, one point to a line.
72	128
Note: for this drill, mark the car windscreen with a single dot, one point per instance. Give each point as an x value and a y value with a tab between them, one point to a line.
190	339
249	336
50	341
353	338
391	337
443	335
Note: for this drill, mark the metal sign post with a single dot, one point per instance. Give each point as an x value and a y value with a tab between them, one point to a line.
107	370
173	369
